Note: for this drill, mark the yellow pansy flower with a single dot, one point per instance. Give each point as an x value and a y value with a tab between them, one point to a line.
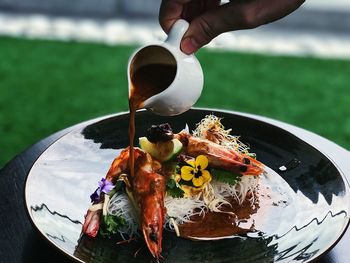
195	171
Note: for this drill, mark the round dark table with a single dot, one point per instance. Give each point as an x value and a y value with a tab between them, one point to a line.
20	241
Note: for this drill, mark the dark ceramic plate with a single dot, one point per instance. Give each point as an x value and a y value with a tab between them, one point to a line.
312	217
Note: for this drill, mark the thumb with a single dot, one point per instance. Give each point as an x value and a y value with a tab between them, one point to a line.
205	27
199	33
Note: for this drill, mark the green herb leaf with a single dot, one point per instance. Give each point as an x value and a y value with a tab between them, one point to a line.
177	169
171	183
176	192
226	177
173	189
111	225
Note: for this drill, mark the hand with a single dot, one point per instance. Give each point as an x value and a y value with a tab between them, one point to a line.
209	19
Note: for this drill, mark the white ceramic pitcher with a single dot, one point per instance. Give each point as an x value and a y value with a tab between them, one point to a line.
187	85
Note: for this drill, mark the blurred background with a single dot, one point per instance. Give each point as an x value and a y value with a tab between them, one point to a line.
64	61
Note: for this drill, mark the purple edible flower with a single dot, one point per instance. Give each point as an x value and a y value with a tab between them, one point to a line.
104	186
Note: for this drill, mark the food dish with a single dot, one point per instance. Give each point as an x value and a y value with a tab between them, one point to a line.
201	184
318	211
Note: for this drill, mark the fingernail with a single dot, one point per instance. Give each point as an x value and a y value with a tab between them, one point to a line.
189	45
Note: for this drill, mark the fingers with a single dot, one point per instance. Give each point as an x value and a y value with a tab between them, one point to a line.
240	14
208	20
195	8
170	11
207	26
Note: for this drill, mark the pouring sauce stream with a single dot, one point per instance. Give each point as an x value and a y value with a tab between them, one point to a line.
146	81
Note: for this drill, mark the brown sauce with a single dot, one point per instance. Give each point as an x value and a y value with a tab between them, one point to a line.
146	81
217	225
149	80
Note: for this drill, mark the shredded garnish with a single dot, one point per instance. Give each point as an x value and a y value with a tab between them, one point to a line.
216	190
182	209
213	199
105	204
212	129
175	226
246	187
120	205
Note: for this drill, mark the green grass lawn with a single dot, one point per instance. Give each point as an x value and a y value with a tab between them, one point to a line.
46	86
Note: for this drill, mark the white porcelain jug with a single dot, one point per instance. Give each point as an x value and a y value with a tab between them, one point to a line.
187	85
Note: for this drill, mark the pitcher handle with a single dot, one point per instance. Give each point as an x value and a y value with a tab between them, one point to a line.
176	33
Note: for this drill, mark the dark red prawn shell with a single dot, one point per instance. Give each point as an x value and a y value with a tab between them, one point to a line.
148	189
219	156
92	223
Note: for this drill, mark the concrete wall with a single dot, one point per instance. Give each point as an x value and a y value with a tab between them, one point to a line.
103	8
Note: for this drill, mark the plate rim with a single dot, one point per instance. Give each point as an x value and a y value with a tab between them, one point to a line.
277	123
